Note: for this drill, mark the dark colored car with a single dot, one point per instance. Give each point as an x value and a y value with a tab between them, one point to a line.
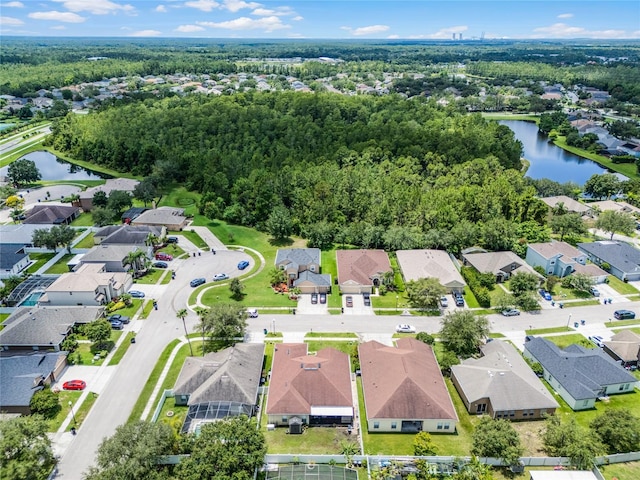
349	301
243	264
136	293
624	314
197	281
121	318
367	299
117	325
172	239
323	298
160	265
314	298
74	385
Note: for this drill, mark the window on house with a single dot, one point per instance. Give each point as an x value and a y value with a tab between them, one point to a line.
446	426
512	413
394	425
284	419
585	403
626	386
439	425
376	424
621	388
525	413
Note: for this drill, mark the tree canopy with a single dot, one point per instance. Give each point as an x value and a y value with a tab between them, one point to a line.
462	332
26	449
23	171
497	439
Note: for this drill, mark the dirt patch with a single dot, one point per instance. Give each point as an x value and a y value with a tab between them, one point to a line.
531	437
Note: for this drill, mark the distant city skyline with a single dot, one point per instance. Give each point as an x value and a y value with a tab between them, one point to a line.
324	19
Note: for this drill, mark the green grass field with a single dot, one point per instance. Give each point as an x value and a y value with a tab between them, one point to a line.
86	242
61	265
40	259
564	341
621	287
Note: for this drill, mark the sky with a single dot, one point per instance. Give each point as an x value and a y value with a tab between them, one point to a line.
324	19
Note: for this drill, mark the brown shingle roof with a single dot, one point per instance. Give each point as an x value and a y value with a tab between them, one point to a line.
300	381
403	381
360	266
625	344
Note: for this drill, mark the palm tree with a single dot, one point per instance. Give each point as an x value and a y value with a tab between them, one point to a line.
135	258
181	315
201	312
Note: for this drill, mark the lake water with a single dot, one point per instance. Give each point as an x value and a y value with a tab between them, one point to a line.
549	161
6	125
52	168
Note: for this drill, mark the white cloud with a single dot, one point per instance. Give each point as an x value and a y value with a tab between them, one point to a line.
565	15
371	29
10	21
297	18
447	32
59	27
279	11
235	5
56	16
392	37
161	9
204	5
97	7
146	33
189	28
268	24
13	5
562	30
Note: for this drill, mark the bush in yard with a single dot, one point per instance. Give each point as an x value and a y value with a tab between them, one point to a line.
45	402
483	297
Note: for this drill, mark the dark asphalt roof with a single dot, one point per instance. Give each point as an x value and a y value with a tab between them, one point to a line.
10	254
20	376
619	255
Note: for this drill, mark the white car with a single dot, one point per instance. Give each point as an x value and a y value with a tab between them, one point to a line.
252	312
405	328
598	340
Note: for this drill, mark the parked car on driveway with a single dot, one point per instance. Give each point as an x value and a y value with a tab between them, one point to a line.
172	239
160	265
314	298
594	291
323	298
163	256
457	297
544	294
349	301
220	276
197	281
405	328
121	318
243	264
598	340
624	315
117	324
367	299
444	302
74	385
511	312
136	293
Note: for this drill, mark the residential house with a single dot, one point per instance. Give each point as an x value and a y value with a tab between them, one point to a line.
404	390
13	259
51	214
624	347
132	214
561	259
501	264
90	284
120	184
220	384
43	328
622	259
169	217
20	233
309	389
579	375
417	264
23	375
302	266
501	384
360	271
128	234
114	257
614	206
572	206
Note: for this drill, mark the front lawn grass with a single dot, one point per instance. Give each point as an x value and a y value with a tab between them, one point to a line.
84	409
131	310
582	303
621	287
146	310
317	345
331	335
83	220
561	294
138	408
621	471
122	349
621	323
194	238
39	260
86	242
152	277
64	397
542	331
564	341
60	266
470	298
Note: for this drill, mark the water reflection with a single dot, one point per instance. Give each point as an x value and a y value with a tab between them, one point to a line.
549	161
53	168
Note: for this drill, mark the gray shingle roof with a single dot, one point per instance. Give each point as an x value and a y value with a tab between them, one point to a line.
20	376
320	279
44	326
582	372
232	374
503	376
50	214
298	256
109	253
619	255
10	254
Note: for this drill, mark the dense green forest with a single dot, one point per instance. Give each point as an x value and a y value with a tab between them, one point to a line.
374	171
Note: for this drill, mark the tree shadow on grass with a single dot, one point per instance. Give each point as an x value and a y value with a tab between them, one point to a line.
281	242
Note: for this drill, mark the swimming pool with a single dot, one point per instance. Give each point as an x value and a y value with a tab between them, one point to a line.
32	299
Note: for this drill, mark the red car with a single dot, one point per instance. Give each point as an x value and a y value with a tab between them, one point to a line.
163	256
74	385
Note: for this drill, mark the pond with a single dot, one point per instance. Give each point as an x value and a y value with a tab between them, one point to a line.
52	168
6	125
549	161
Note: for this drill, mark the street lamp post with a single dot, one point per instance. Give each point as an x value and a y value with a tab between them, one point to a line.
72	412
273	326
569	321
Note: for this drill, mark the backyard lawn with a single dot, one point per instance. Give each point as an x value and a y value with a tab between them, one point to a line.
61	265
621	287
86	242
621	471
39	260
